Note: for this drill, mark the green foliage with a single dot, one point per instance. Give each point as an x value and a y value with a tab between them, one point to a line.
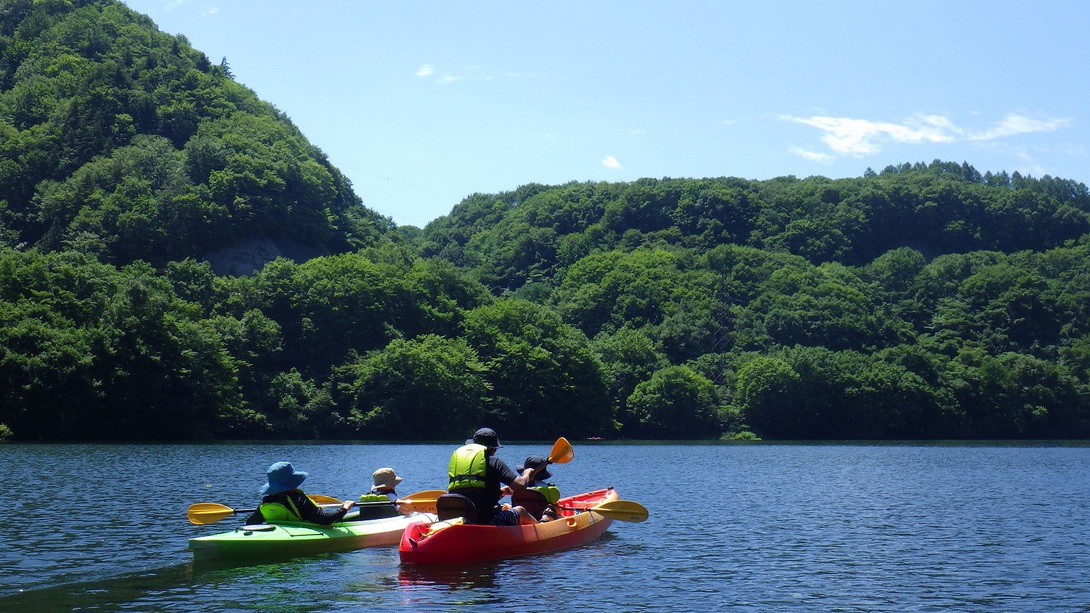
767	394
873	291
90	352
543	374
925	301
676	403
112	130
628	358
644	287
419	389
517	237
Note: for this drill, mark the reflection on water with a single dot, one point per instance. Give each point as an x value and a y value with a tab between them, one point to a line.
454	577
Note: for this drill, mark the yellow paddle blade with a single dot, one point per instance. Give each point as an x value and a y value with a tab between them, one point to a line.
320	499
207	513
624	510
427	494
562	452
419	506
421	502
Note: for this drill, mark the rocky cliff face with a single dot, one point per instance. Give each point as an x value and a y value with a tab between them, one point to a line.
243	258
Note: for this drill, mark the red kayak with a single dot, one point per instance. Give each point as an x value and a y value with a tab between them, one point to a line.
455	542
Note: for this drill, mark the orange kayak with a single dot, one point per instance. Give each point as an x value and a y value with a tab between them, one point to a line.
455	542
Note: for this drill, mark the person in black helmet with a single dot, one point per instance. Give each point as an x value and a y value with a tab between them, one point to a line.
476	473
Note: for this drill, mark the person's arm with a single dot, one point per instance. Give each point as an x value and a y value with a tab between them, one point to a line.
400	508
510	477
320	515
524	480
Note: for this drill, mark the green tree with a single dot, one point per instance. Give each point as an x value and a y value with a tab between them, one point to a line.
419	389
628	357
676	403
544	376
767	396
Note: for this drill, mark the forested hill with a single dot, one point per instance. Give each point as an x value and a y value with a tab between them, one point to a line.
125	142
534	233
925	301
922	301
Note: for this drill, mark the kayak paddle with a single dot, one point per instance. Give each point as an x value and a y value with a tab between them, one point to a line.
423	502
562	453
623	510
210	512
320	499
203	513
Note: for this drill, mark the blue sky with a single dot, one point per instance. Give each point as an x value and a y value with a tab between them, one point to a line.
422	104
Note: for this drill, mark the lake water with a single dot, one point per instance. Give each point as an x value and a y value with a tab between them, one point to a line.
758	527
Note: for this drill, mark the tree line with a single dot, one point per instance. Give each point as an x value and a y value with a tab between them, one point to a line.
646	343
375	344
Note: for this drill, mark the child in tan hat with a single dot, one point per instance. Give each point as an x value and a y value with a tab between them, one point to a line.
385	480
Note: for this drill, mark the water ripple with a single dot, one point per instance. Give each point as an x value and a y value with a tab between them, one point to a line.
747	528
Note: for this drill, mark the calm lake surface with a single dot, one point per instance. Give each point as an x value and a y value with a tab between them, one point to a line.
759	527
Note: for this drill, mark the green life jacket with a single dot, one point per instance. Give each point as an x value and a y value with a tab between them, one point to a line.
275	511
374	498
468	467
550	492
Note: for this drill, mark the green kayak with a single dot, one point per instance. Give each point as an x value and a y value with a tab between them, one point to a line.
281	540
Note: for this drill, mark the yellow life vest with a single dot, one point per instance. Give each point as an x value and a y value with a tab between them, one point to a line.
550	492
276	511
468	467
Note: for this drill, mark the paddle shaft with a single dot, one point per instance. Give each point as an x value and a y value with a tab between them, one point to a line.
211	512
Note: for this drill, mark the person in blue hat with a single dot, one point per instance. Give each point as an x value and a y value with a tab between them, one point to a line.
477	474
284	501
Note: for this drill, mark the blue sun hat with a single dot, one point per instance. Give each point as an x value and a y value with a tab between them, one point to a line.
282	477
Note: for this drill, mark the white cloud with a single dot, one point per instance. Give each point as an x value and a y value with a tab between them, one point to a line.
210	10
611	162
1014	124
817	156
469	73
861	137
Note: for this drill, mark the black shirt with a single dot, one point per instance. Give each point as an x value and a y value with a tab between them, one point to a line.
310	512
486	498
